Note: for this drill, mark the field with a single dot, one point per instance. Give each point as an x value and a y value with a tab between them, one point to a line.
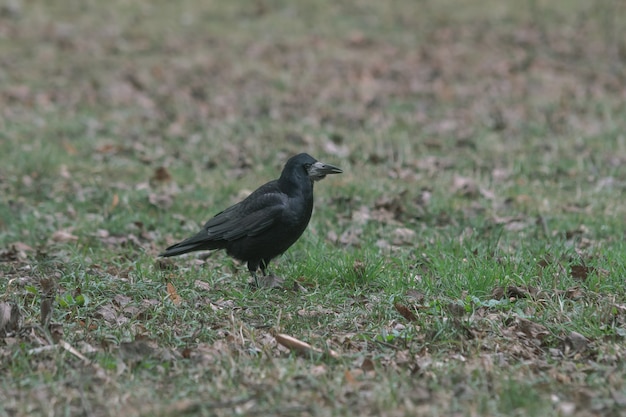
470	260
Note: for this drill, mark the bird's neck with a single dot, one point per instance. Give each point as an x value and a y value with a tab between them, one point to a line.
297	186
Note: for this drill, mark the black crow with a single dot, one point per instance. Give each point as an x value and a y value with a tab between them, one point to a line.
267	222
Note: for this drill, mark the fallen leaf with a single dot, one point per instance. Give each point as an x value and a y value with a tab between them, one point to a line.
69	148
114	202
136	350
580	272
162	201
161	174
202	285
531	329
456	309
350	379
577	342
464	186
15	251
171	291
302	347
9	318
405	312
63	236
415	295
403	236
367	365
512	291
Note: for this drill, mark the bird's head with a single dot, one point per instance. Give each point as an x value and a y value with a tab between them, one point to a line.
305	166
318	170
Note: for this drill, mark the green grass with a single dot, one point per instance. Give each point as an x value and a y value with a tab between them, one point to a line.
476	232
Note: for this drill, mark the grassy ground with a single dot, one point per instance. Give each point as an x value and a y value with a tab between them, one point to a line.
470	261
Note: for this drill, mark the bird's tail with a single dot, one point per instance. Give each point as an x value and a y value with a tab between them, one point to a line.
194	243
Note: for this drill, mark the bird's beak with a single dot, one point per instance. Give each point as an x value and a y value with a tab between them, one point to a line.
318	171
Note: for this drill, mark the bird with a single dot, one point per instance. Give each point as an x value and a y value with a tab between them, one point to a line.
267	222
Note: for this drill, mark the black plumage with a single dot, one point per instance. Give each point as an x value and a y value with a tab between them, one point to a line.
267	222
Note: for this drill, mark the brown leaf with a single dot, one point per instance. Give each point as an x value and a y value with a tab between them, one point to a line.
580	231
403	236
405	312
302	347
202	285
109	313
389	208
531	329
577	342
351	237
63	236
162	201
580	272
69	148
9	318
350	379
512	291
161	174
171	291
45	309
48	289
136	350
464	186
15	251
121	300
367	365
415	295
186	353
456	309
114	202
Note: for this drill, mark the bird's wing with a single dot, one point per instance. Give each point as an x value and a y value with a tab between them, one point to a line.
250	217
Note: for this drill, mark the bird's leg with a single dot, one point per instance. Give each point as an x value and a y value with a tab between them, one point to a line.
252	267
263	266
256	281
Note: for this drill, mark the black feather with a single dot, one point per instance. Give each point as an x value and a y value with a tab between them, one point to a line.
267	222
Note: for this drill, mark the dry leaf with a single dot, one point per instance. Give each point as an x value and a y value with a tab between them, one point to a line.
367	365
162	201
114	202
202	285
403	236
464	186
350	379
161	174
577	341
63	236
302	347
580	272
171	291
9	318
512	291
531	329
405	312
69	148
